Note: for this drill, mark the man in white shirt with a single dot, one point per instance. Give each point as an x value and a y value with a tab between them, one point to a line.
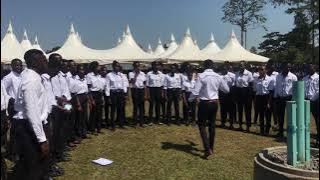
272	110
96	90
116	86
227	103
137	79
262	87
207	89
172	86
283	93
29	133
312	93
155	82
244	81
11	83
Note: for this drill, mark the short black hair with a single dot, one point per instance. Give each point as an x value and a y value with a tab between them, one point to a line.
30	57
114	63
15	61
135	63
93	65
208	64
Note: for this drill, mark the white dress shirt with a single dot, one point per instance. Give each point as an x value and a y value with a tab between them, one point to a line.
243	80
263	86
95	82
172	82
51	100
230	78
80	86
208	85
63	78
187	84
140	79
11	82
115	81
4	98
72	81
125	82
284	85
155	79
312	86
31	102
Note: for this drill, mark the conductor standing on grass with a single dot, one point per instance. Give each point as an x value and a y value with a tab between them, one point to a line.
207	91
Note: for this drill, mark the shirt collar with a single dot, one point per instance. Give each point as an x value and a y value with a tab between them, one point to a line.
314	75
45	75
208	70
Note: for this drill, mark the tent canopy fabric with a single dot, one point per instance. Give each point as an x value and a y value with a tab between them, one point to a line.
171	48
25	43
234	52
187	50
10	47
211	48
159	49
149	50
36	44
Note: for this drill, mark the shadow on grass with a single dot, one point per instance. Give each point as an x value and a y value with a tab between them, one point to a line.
187	148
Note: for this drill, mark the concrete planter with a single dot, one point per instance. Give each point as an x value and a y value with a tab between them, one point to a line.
264	169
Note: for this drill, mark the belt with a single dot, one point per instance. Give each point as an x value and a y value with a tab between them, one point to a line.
116	90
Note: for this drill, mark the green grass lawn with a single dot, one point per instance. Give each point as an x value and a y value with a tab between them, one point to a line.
166	152
162	152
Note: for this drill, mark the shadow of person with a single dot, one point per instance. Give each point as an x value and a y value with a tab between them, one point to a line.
187	148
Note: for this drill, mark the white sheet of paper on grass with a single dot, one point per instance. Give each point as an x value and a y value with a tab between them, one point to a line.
102	161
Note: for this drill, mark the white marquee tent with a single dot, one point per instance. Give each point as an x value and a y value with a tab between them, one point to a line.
171	48
128	50
75	50
234	52
159	49
149	50
211	48
36	44
187	50
10	47
25	43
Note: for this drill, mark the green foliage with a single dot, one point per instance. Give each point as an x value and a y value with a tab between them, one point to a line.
244	13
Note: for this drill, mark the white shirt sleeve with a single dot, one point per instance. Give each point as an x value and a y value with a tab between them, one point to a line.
197	87
224	86
165	82
107	86
30	94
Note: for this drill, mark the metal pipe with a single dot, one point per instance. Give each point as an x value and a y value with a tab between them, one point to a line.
292	133
298	88
307	125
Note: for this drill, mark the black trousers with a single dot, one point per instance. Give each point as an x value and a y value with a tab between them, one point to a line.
263	113
138	105
281	109
173	96
58	131
81	116
117	107
244	101
227	107
73	118
314	107
96	112
30	165
155	103
163	106
107	110
207	115
189	110
4	124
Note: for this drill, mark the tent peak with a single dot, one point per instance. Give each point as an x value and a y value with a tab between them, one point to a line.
119	41
25	35
233	35
128	31
36	40
159	41
188	33
123	35
172	38
211	37
72	31
10	29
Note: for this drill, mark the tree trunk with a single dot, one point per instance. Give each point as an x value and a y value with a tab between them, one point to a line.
242	31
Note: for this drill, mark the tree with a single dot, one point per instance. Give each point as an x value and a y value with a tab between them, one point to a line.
274	46
245	14
253	50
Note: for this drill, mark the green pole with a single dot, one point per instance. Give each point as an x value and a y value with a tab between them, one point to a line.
307	125
298	88
292	133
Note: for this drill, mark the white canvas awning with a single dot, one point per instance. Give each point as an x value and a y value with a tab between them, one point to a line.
159	49
10	47
234	52
211	48
25	43
171	48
